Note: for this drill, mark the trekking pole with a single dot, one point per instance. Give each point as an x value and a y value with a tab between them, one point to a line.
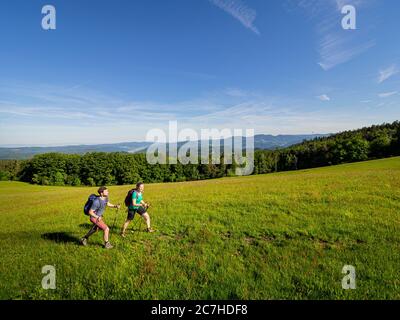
115	220
135	225
139	223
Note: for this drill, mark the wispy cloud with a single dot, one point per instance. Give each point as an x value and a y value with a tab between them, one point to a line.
387	73
240	11
335	46
40	105
335	50
338	46
324	97
388	94
341	3
44	112
237	93
71	119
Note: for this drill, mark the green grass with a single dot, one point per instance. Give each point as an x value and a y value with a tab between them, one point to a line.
277	236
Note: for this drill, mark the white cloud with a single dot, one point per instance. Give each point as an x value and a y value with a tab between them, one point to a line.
388	94
341	3
44	112
335	46
324	97
335	49
387	73
237	93
238	10
73	120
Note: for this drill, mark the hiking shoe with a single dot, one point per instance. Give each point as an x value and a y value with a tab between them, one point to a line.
150	230
83	241
108	245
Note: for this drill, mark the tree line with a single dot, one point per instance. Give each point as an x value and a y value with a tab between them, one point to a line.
101	168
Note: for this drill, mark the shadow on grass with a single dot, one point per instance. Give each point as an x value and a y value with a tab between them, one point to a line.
88	226
60	237
134	226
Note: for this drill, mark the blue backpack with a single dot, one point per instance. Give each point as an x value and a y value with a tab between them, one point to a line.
89	203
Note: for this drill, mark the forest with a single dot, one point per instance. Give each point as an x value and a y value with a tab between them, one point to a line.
118	168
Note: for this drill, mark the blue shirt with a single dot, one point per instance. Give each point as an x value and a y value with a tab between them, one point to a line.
99	206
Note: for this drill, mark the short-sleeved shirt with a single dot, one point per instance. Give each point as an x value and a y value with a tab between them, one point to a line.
138	196
98	206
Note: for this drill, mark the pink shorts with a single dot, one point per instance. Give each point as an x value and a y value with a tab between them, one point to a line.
100	224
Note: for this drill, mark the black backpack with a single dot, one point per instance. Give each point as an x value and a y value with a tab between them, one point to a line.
128	198
89	203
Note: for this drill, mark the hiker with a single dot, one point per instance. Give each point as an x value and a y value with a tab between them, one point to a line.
136	204
96	212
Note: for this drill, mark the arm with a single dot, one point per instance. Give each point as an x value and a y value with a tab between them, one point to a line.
110	205
93	214
92	211
135	204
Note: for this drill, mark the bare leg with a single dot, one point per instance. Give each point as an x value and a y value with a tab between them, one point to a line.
125	226
106	233
91	231
146	218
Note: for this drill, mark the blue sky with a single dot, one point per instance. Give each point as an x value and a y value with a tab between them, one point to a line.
113	70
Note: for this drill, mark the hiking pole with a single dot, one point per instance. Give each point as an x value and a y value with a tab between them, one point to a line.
135	225
139	223
115	220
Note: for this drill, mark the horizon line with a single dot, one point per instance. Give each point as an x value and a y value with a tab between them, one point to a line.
17	145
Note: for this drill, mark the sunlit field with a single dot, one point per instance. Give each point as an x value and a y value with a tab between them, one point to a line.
276	236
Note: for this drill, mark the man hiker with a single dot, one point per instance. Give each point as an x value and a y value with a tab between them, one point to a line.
136	204
96	212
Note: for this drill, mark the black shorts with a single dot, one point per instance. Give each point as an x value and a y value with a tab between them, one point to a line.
131	212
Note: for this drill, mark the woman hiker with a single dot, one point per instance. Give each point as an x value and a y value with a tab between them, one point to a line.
137	205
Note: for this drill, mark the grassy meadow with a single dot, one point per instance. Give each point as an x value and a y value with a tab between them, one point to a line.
278	236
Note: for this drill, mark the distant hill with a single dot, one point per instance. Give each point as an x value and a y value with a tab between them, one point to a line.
263	142
270	142
29	152
272	154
